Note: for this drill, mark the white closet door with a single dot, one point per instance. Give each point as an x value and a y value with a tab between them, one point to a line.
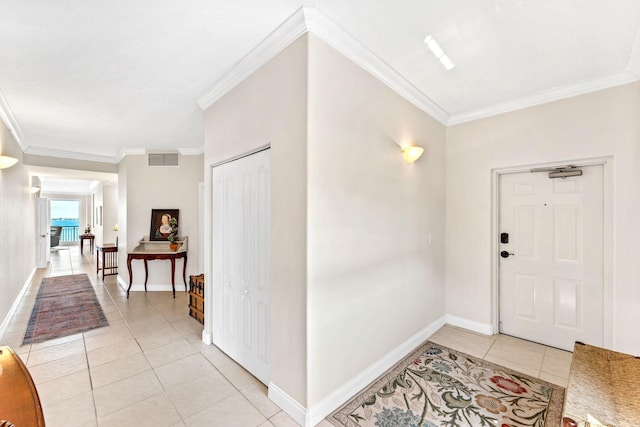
241	262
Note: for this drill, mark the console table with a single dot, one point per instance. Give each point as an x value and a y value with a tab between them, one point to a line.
90	238
152	250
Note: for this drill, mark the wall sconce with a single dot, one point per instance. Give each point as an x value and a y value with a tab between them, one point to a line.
115	227
34	189
7	162
412	153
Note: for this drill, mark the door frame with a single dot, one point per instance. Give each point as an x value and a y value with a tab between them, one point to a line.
608	228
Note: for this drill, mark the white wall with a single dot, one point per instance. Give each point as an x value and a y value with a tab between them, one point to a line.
143	188
351	220
110	212
17	231
375	280
269	107
599	124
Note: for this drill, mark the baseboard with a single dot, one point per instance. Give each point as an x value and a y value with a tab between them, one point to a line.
482	328
121	282
150	287
16	304
289	405
332	402
207	337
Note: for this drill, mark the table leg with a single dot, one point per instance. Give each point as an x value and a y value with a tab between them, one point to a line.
173	279
146	274
130	275
103	266
81	245
184	270
97	262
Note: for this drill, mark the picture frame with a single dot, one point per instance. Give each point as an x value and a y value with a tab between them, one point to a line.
160	219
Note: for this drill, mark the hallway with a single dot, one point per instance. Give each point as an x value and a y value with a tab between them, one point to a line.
150	368
147	368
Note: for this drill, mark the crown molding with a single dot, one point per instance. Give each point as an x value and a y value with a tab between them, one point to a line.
567	91
74	155
309	19
131	151
331	33
6	114
634	58
289	31
193	151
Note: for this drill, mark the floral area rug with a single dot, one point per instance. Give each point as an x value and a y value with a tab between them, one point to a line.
436	386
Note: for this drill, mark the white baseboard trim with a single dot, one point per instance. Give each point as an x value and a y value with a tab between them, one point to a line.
16	304
121	282
314	415
207	337
288	404
482	328
333	401
150	288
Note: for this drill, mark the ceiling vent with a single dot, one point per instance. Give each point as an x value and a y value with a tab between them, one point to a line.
164	159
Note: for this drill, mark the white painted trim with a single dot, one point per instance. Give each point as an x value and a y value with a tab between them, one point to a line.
151	287
608	252
634	58
50	152
472	325
333	401
608	273
131	151
124	285
289	31
155	288
288	404
16	304
308	19
556	94
207	338
335	36
194	151
6	114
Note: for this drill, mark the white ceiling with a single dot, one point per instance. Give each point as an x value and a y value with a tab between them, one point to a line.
54	181
102	78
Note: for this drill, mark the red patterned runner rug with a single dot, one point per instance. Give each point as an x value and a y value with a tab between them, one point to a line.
65	305
436	386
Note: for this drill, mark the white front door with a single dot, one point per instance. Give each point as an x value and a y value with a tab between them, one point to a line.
43	232
552	268
241	261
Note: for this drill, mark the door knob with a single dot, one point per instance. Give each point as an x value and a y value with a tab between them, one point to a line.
505	254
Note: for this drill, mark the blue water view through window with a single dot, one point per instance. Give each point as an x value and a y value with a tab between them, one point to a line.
66	214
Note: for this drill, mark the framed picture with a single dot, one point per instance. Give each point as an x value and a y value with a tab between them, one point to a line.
160	228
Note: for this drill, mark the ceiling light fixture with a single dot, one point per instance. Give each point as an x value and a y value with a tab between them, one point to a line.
7	162
437	51
412	153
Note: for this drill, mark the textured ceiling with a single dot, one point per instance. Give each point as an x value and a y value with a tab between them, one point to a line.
98	79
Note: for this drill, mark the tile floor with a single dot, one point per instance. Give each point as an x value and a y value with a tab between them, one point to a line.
149	366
